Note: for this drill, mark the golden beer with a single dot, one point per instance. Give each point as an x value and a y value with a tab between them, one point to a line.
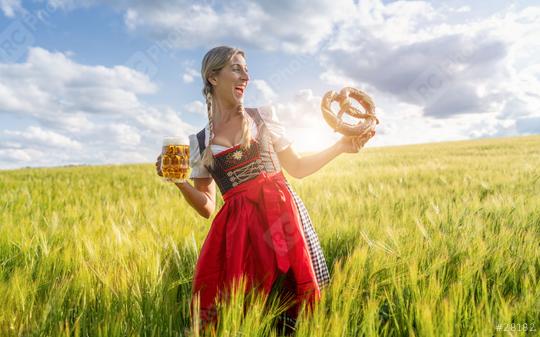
174	159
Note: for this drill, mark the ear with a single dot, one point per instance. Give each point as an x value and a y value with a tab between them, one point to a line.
212	79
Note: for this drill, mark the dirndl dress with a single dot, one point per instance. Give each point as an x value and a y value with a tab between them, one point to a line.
262	232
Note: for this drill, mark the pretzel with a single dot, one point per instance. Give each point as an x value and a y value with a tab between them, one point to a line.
367	119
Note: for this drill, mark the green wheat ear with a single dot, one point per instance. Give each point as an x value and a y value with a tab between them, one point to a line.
425	240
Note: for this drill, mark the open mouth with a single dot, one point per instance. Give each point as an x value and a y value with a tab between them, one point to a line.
239	90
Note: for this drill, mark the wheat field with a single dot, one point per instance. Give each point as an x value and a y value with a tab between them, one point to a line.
437	239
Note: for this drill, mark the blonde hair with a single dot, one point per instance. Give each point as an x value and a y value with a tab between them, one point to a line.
215	60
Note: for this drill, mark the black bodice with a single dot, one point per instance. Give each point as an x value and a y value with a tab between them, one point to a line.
236	165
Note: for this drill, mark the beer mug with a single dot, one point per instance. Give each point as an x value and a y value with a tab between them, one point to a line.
175	159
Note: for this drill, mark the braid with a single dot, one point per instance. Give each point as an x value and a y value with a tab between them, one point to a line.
208	157
246	129
210	112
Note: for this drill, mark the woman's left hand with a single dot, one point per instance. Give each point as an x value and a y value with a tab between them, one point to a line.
353	144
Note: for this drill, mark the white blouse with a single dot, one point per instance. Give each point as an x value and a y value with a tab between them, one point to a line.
280	140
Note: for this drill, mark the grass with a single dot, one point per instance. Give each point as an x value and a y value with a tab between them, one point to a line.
422	240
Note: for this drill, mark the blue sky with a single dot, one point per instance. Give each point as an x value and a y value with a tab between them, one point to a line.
97	82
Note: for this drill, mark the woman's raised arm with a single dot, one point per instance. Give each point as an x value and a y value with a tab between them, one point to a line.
300	167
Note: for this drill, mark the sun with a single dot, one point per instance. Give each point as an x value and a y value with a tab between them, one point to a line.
315	137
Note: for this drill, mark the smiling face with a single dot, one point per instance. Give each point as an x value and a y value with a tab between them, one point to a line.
231	81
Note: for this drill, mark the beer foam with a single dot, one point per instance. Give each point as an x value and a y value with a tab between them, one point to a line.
175	140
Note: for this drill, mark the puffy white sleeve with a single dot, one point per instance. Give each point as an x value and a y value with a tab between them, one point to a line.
280	138
197	168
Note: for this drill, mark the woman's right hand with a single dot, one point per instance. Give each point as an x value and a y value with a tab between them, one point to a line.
158	166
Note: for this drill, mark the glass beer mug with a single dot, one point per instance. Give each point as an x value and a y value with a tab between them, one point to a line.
175	159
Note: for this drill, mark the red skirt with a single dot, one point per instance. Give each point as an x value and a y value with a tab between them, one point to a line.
257	235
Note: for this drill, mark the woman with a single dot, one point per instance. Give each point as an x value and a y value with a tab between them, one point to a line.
263	231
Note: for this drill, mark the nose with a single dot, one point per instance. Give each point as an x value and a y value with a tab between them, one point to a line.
244	75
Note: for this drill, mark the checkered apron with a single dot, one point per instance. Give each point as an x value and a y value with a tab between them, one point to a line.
315	250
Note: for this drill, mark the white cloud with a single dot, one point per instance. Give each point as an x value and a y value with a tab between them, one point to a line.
124	134
161	120
432	73
57	91
39	137
14	157
411	52
196	107
189	75
492	128
92	113
260	24
461	9
10	7
259	93
71	4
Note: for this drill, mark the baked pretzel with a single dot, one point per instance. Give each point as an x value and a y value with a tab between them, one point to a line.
367	119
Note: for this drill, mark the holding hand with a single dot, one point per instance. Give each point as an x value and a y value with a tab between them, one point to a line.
353	144
158	166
